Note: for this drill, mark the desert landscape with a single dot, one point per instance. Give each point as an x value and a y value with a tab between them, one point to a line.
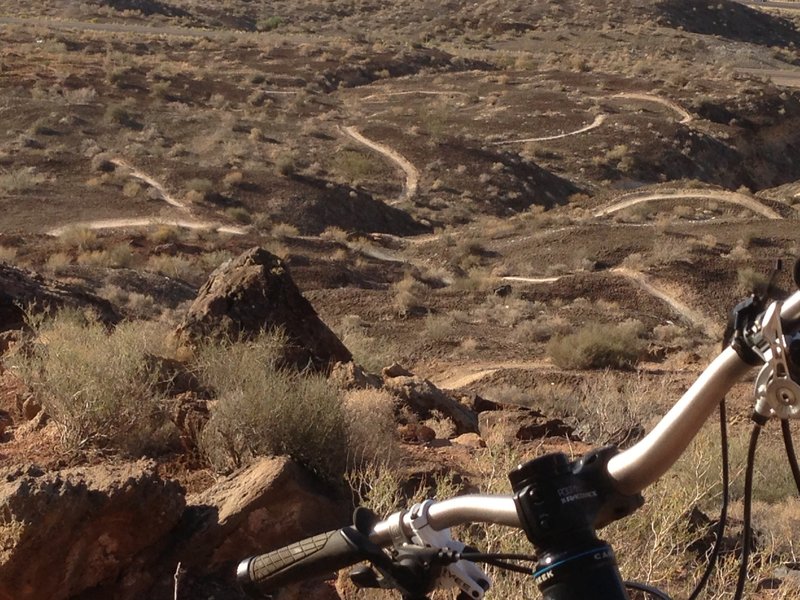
263	262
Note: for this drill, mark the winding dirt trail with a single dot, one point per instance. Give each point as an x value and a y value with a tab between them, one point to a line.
411	182
413	93
722	196
699	320
686	117
148	222
598	121
463	375
531	279
141	176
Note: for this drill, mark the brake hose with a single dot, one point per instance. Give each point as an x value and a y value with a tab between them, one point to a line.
790	454
748	505
723	513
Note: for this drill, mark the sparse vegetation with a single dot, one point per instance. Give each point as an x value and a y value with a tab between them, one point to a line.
98	386
263	409
19	180
598	346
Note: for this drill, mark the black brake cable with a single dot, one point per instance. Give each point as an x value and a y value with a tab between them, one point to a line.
499	560
790	454
748	505
647	589
723	513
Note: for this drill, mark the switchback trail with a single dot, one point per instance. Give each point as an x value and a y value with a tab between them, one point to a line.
463	375
147	222
598	121
687	117
722	196
702	322
136	174
411	173
413	93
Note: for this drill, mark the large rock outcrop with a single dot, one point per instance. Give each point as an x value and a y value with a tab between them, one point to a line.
69	531
121	531
269	504
255	292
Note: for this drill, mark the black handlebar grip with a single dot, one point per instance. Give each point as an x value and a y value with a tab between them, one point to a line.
307	558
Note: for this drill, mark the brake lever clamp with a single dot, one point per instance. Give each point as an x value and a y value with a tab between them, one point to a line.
777	394
463	574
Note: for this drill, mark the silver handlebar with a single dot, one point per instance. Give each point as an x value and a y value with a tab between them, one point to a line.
632	470
643	464
474	508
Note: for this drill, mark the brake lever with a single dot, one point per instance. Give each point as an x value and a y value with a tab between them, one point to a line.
777	394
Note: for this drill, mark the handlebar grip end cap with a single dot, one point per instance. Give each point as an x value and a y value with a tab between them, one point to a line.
245	580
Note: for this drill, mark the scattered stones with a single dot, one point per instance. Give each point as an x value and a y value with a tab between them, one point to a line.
521	425
469	440
422	397
350	376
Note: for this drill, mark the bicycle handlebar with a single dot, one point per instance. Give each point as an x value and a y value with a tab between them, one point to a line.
631	471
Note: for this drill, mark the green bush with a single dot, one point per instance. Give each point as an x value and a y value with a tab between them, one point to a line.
97	385
263	409
598	346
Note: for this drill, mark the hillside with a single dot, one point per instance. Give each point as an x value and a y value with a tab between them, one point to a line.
455	187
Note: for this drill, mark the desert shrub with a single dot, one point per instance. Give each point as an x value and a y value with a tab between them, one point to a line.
284	230
202	186
371	427
58	262
80	238
749	280
334	234
97	385
476	280
164	234
239	214
371	352
20	180
121	255
261	409
540	329
93	258
356	166
120	115
286	164
408	293
176	267
8	254
269	23
438	328
597	346
211	260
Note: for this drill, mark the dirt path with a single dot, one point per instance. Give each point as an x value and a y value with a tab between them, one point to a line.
699	320
412	93
532	279
163	194
783	77
411	173
722	196
687	117
598	121
463	375
147	222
